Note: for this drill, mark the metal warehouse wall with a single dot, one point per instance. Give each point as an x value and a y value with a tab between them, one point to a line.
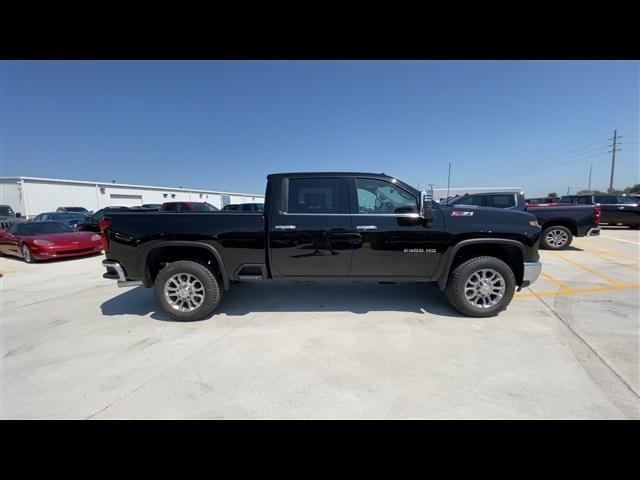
34	196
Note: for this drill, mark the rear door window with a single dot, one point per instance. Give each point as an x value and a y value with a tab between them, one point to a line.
316	196
502	201
606	199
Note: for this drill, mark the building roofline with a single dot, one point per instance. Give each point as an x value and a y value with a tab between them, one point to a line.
148	187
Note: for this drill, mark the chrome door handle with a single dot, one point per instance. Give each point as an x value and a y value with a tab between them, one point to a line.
285	228
367	227
620	208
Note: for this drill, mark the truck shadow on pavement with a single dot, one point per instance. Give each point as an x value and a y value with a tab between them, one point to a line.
273	296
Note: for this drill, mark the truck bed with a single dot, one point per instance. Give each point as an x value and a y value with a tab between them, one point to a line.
241	236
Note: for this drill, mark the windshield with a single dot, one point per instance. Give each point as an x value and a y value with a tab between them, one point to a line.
204	207
40	228
76	209
6	211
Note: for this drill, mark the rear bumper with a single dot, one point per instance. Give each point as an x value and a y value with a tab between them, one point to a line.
115	271
531	273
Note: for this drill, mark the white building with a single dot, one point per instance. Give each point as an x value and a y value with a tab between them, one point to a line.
440	194
31	196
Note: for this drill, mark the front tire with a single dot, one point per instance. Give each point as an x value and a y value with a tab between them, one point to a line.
556	238
187	291
27	255
481	287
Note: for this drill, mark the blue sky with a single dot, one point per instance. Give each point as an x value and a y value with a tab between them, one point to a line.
225	125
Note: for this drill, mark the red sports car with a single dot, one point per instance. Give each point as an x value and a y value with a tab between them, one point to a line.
48	240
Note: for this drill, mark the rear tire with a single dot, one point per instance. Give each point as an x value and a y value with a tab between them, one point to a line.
187	291
556	237
487	277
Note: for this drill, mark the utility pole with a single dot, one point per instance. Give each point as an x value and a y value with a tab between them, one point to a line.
613	157
589	187
568	188
448	181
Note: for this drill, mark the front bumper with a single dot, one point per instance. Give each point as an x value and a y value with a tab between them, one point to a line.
115	271
41	252
531	273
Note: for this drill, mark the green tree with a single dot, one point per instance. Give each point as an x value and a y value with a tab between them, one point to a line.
552	194
634	189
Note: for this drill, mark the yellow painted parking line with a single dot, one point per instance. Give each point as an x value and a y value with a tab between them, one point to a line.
587	269
607	252
575	291
563	288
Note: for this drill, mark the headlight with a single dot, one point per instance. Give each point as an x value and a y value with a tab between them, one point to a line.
534	223
43	242
95	238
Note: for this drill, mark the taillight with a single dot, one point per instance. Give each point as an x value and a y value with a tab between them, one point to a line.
597	211
105	224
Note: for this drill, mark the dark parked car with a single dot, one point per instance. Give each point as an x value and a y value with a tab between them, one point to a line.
560	223
327	226
8	217
92	222
47	240
244	207
73	209
188	207
71	219
616	210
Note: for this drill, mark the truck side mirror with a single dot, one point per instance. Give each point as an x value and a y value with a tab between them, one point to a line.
18	214
426	206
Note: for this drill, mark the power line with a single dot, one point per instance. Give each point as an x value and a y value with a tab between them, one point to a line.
538	168
545	160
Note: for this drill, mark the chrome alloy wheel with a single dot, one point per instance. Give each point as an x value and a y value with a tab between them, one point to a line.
484	288
184	292
557	238
26	254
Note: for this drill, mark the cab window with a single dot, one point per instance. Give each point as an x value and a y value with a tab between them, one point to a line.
502	201
315	195
380	197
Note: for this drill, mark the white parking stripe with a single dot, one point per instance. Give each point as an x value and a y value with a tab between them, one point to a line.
619	239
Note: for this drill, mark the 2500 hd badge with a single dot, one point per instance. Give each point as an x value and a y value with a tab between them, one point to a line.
420	250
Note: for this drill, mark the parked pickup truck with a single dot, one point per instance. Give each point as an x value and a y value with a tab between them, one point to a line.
560	223
616	209
326	226
8	218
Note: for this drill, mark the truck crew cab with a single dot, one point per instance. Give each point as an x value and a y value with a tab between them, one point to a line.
326	226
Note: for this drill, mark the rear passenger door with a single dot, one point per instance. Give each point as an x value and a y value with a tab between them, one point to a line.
310	231
609	207
391	240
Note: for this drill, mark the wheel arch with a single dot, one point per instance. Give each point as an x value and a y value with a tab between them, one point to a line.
510	251
182	250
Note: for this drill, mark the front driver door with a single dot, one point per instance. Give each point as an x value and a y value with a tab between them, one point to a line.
392	239
310	230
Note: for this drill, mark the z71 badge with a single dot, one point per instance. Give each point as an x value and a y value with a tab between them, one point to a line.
461	213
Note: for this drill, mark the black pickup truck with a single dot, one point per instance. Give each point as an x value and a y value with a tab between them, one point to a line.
326	226
560	223
616	209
